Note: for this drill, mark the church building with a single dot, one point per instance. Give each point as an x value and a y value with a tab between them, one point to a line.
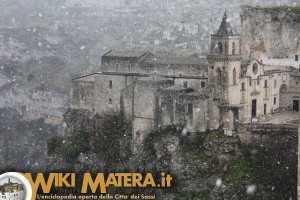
223	90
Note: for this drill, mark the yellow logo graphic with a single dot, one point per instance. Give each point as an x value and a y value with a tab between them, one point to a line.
24	186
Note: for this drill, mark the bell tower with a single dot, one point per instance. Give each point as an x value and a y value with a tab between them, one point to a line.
224	64
224	72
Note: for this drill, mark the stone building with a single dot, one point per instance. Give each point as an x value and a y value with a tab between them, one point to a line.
220	91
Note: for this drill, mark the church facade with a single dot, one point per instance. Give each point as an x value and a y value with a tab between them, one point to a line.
222	90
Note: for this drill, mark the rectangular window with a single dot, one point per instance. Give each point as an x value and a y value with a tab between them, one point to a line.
258	80
117	66
185	84
110	84
190	113
284	77
274	100
265	109
129	67
110	101
266	83
275	83
250	81
190	109
243	86
202	84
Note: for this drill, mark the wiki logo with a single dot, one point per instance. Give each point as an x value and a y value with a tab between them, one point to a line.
14	186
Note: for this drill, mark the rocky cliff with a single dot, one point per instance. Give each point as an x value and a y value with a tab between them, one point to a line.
270	31
28	116
207	165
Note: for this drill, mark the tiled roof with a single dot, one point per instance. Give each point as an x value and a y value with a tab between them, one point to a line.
177	60
134	54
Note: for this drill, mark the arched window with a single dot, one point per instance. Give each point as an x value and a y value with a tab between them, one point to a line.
233	48
234	77
219	76
220	48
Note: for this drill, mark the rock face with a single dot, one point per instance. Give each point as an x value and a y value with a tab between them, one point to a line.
36	104
28	117
23	143
271	32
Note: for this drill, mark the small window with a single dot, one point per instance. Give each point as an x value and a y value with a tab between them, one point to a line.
190	113
275	83
233	48
82	93
265	109
258	80
220	48
117	66
185	84
296	57
234	77
202	84
266	83
129	67
254	68
250	81
243	86
110	84
274	100
110	101
219	75
284	77
190	109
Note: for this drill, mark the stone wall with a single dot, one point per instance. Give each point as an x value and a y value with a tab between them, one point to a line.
268	134
82	95
145	106
185	108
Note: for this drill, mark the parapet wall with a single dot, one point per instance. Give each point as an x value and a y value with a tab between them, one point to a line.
267	134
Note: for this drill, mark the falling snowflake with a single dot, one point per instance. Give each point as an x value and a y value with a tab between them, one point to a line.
218	182
184	132
251	189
